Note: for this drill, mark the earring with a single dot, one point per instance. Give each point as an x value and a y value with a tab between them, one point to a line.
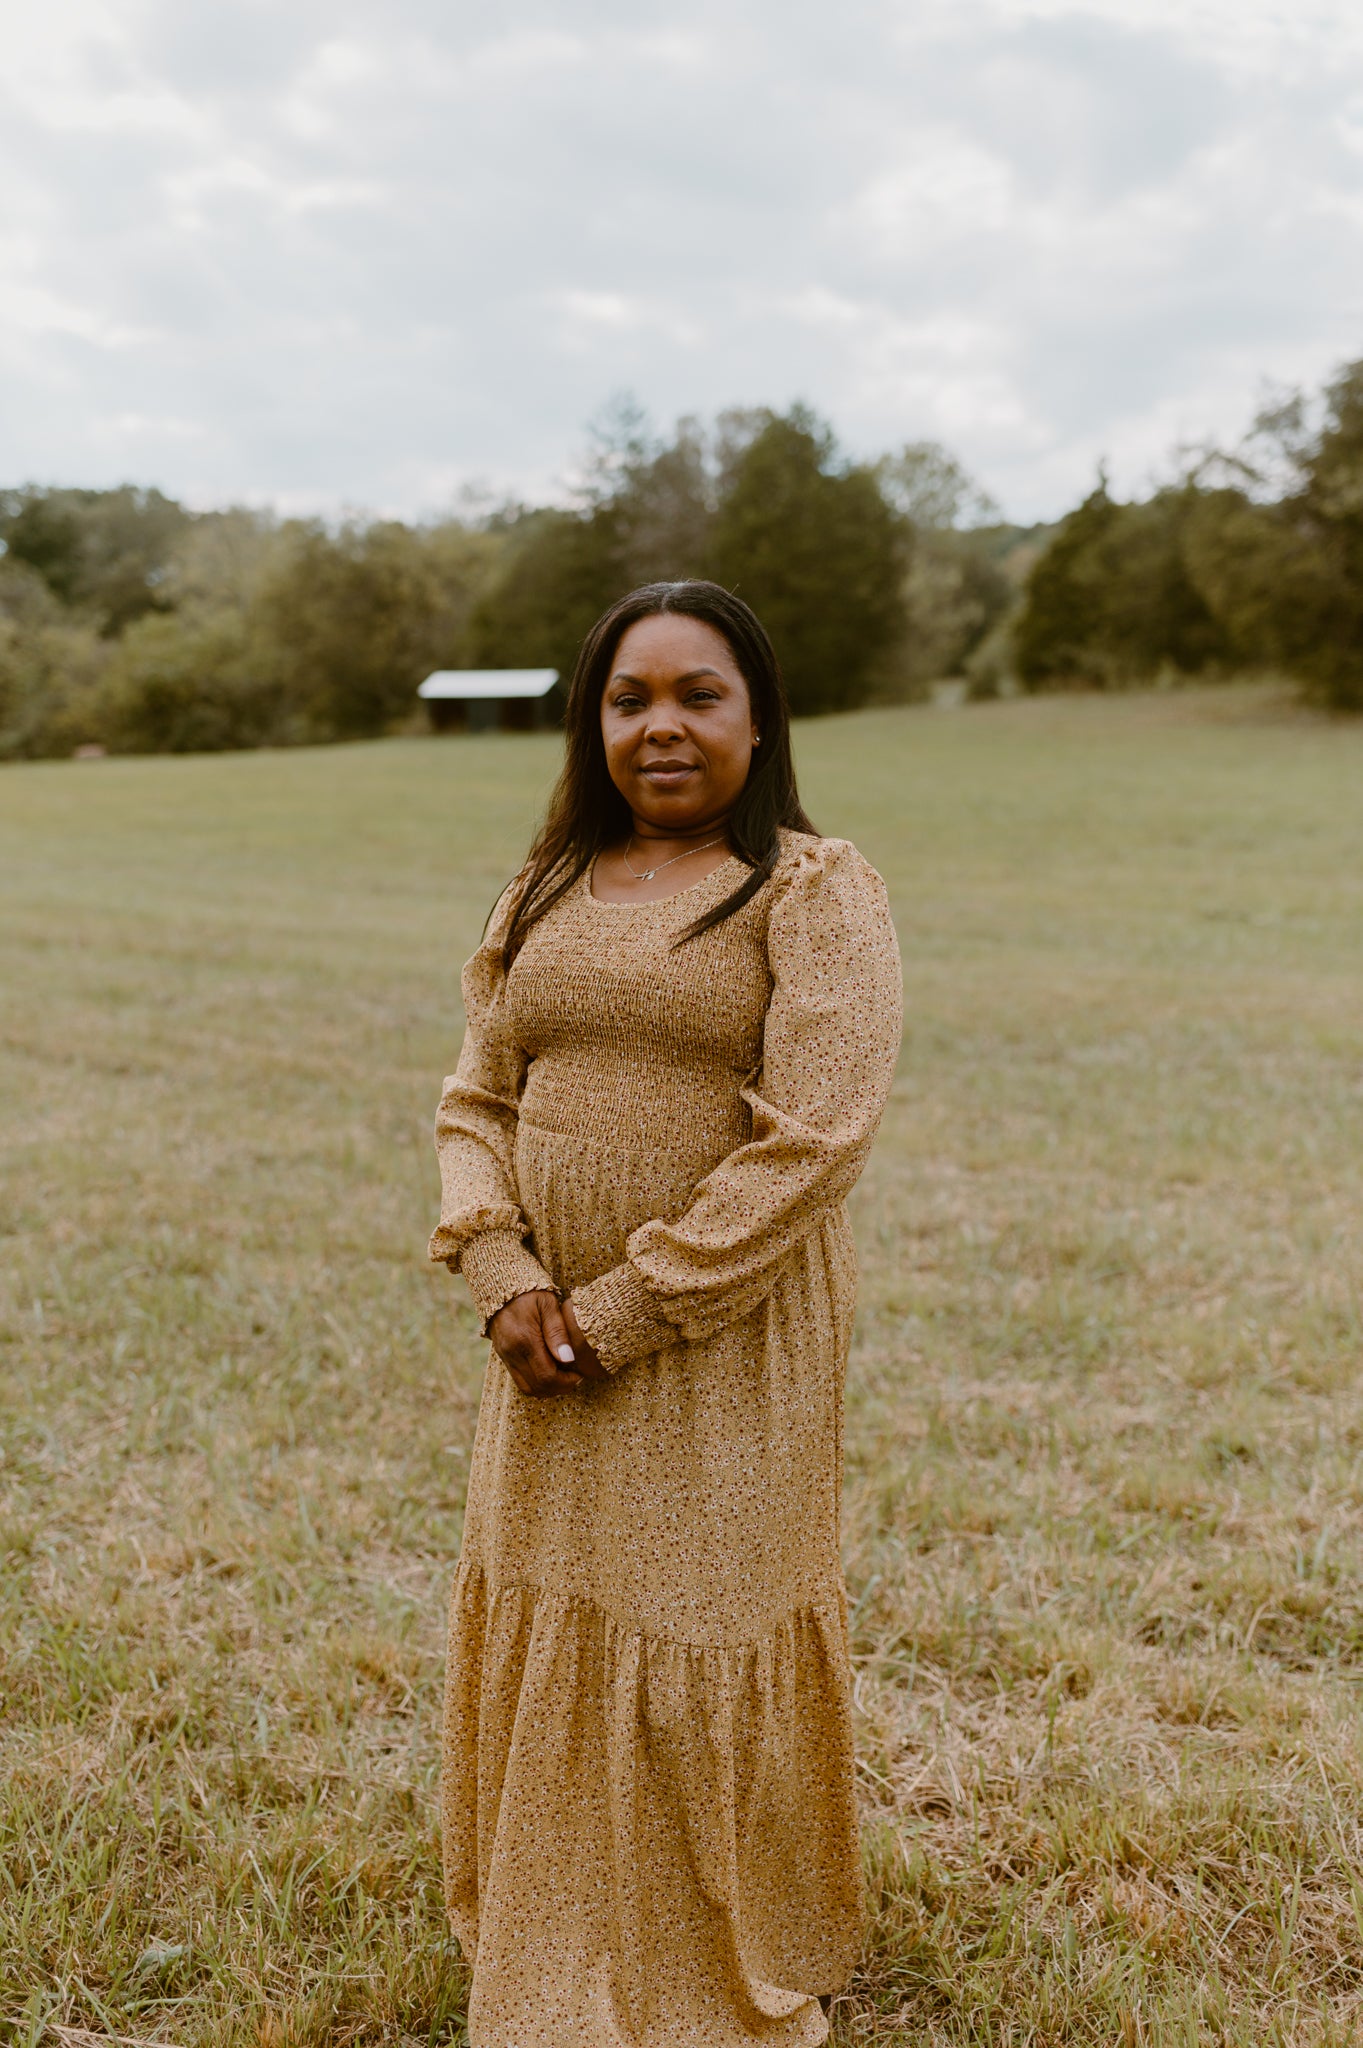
757	739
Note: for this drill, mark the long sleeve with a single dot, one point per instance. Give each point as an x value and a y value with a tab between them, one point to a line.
482	1227
830	1044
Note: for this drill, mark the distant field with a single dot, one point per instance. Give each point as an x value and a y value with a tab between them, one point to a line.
1104	1527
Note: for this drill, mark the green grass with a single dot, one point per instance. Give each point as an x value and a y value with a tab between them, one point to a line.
1104	1518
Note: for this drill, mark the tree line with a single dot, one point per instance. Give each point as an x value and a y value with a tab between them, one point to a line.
131	623
1250	559
128	622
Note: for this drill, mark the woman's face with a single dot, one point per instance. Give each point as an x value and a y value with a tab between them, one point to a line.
677	723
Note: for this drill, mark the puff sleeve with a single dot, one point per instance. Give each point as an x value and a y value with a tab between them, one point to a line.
830	1045
482	1228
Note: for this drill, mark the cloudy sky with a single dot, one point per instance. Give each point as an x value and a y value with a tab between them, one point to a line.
351	254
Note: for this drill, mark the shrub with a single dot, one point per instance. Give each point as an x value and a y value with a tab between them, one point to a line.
188	685
51	669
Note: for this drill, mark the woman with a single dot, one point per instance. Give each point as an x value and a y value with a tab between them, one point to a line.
682	1027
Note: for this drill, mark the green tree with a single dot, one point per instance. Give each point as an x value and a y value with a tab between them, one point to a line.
664	511
52	667
191	684
222	561
1256	559
1112	601
810	542
350	623
933	490
956	591
1287	577
654	498
204	675
558	572
102	552
954	588
1061	617
40	529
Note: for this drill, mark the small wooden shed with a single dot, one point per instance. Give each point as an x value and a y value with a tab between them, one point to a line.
489	699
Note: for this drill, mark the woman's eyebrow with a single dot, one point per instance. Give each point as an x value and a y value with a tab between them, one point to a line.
622	676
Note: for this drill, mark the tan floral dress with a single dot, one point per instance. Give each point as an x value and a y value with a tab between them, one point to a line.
649	1823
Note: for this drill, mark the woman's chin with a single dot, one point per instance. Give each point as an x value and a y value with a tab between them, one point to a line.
673	810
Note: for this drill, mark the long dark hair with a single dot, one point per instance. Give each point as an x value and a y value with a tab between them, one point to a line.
587	812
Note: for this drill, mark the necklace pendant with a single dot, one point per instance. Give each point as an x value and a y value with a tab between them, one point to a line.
647	874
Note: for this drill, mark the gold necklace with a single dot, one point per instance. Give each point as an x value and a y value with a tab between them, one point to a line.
649	873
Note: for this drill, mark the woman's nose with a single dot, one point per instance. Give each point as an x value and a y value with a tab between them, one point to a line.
662	723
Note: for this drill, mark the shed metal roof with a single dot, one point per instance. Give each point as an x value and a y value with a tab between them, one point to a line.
488	682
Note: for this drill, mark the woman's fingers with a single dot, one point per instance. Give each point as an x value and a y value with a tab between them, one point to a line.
536	1373
525	1340
588	1364
543	1346
553	1355
556	1339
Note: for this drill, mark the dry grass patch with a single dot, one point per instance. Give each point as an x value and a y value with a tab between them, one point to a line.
1105	1432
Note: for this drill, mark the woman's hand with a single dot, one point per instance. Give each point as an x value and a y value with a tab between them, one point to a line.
532	1337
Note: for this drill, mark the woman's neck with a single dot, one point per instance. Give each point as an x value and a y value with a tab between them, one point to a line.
657	860
653	835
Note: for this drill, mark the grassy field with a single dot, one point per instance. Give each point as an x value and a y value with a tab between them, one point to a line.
1104	1518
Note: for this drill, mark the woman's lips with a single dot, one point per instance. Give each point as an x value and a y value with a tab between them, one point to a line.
668	772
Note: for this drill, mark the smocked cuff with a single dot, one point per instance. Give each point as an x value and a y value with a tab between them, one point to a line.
498	1267
620	1318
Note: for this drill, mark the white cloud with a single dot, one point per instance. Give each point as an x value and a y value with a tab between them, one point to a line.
943	186
144	427
1260	37
350	255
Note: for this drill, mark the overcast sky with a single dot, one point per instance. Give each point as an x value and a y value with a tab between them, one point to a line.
351	254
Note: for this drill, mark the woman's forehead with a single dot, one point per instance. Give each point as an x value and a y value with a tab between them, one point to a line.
671	641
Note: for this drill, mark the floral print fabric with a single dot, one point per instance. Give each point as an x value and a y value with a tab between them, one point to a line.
649	1822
